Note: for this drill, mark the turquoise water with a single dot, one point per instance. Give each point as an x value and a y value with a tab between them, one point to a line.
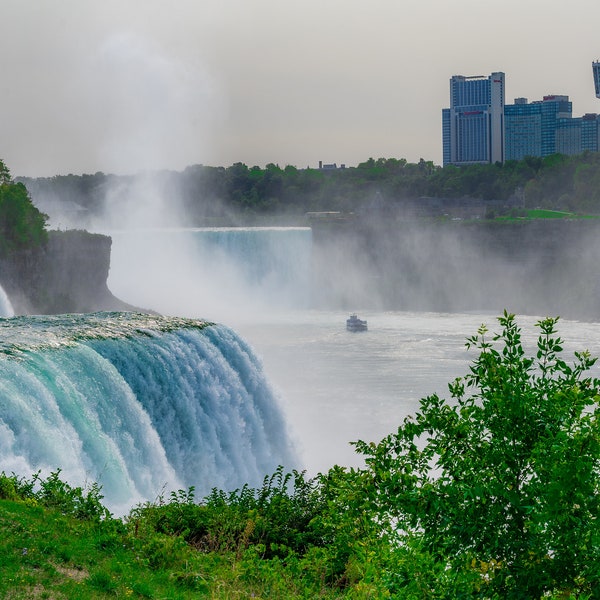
141	404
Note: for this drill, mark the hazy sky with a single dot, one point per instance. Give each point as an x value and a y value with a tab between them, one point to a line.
121	86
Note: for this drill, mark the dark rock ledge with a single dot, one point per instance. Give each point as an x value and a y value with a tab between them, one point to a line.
67	275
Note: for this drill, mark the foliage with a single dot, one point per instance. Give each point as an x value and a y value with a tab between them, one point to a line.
22	225
491	494
504	481
275	517
53	492
239	193
52	550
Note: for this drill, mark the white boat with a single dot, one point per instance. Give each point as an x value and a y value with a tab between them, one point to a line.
353	323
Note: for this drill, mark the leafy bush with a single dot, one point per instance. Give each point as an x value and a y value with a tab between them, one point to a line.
13	487
277	516
502	483
52	492
55	493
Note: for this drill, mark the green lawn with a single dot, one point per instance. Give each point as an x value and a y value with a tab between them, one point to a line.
541	213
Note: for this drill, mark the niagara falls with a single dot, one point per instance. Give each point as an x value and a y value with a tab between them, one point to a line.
299	301
142	405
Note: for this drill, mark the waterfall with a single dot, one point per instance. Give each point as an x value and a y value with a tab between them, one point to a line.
141	404
6	309
223	273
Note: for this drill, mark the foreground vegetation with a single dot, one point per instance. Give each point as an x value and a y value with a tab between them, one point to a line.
491	494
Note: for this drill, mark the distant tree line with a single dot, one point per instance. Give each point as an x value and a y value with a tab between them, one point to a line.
570	183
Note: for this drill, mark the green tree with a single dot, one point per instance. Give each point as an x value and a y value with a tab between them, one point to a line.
501	482
22	225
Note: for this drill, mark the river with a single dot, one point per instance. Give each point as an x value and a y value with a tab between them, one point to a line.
334	386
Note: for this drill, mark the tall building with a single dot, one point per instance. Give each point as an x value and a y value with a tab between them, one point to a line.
479	128
596	71
531	129
547	127
473	126
590	132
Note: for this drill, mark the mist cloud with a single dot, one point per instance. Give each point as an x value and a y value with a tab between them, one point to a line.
149	111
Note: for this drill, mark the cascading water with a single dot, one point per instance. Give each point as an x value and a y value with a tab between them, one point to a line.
139	403
227	274
6	308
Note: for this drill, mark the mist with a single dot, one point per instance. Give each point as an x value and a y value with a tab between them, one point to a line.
544	267
145	100
147	106
374	261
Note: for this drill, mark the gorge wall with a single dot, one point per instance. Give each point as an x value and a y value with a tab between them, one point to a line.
67	275
540	267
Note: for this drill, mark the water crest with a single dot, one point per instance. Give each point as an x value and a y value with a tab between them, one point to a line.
139	403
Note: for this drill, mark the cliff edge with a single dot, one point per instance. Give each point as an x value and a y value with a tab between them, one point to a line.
66	275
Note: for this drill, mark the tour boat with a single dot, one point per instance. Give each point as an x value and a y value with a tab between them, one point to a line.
353	323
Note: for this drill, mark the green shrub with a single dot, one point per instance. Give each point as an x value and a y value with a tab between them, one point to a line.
55	493
278	516
503	482
13	487
164	551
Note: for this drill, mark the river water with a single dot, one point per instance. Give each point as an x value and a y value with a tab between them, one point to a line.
338	386
334	386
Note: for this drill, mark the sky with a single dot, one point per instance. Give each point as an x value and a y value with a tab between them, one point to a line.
126	86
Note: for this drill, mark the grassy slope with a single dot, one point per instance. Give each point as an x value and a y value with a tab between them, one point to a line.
45	554
48	555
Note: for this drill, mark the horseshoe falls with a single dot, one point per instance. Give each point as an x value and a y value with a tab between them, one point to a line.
226	274
141	404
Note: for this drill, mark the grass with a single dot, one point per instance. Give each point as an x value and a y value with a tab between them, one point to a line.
49	555
542	213
49	552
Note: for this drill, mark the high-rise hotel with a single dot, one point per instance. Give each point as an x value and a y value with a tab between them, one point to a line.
473	126
479	128
531	127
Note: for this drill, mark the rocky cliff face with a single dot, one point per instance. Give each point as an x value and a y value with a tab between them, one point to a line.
69	274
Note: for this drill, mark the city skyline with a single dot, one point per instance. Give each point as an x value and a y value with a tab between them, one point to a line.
125	86
480	127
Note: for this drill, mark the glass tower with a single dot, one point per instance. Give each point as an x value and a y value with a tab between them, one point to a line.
547	127
590	126
596	71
